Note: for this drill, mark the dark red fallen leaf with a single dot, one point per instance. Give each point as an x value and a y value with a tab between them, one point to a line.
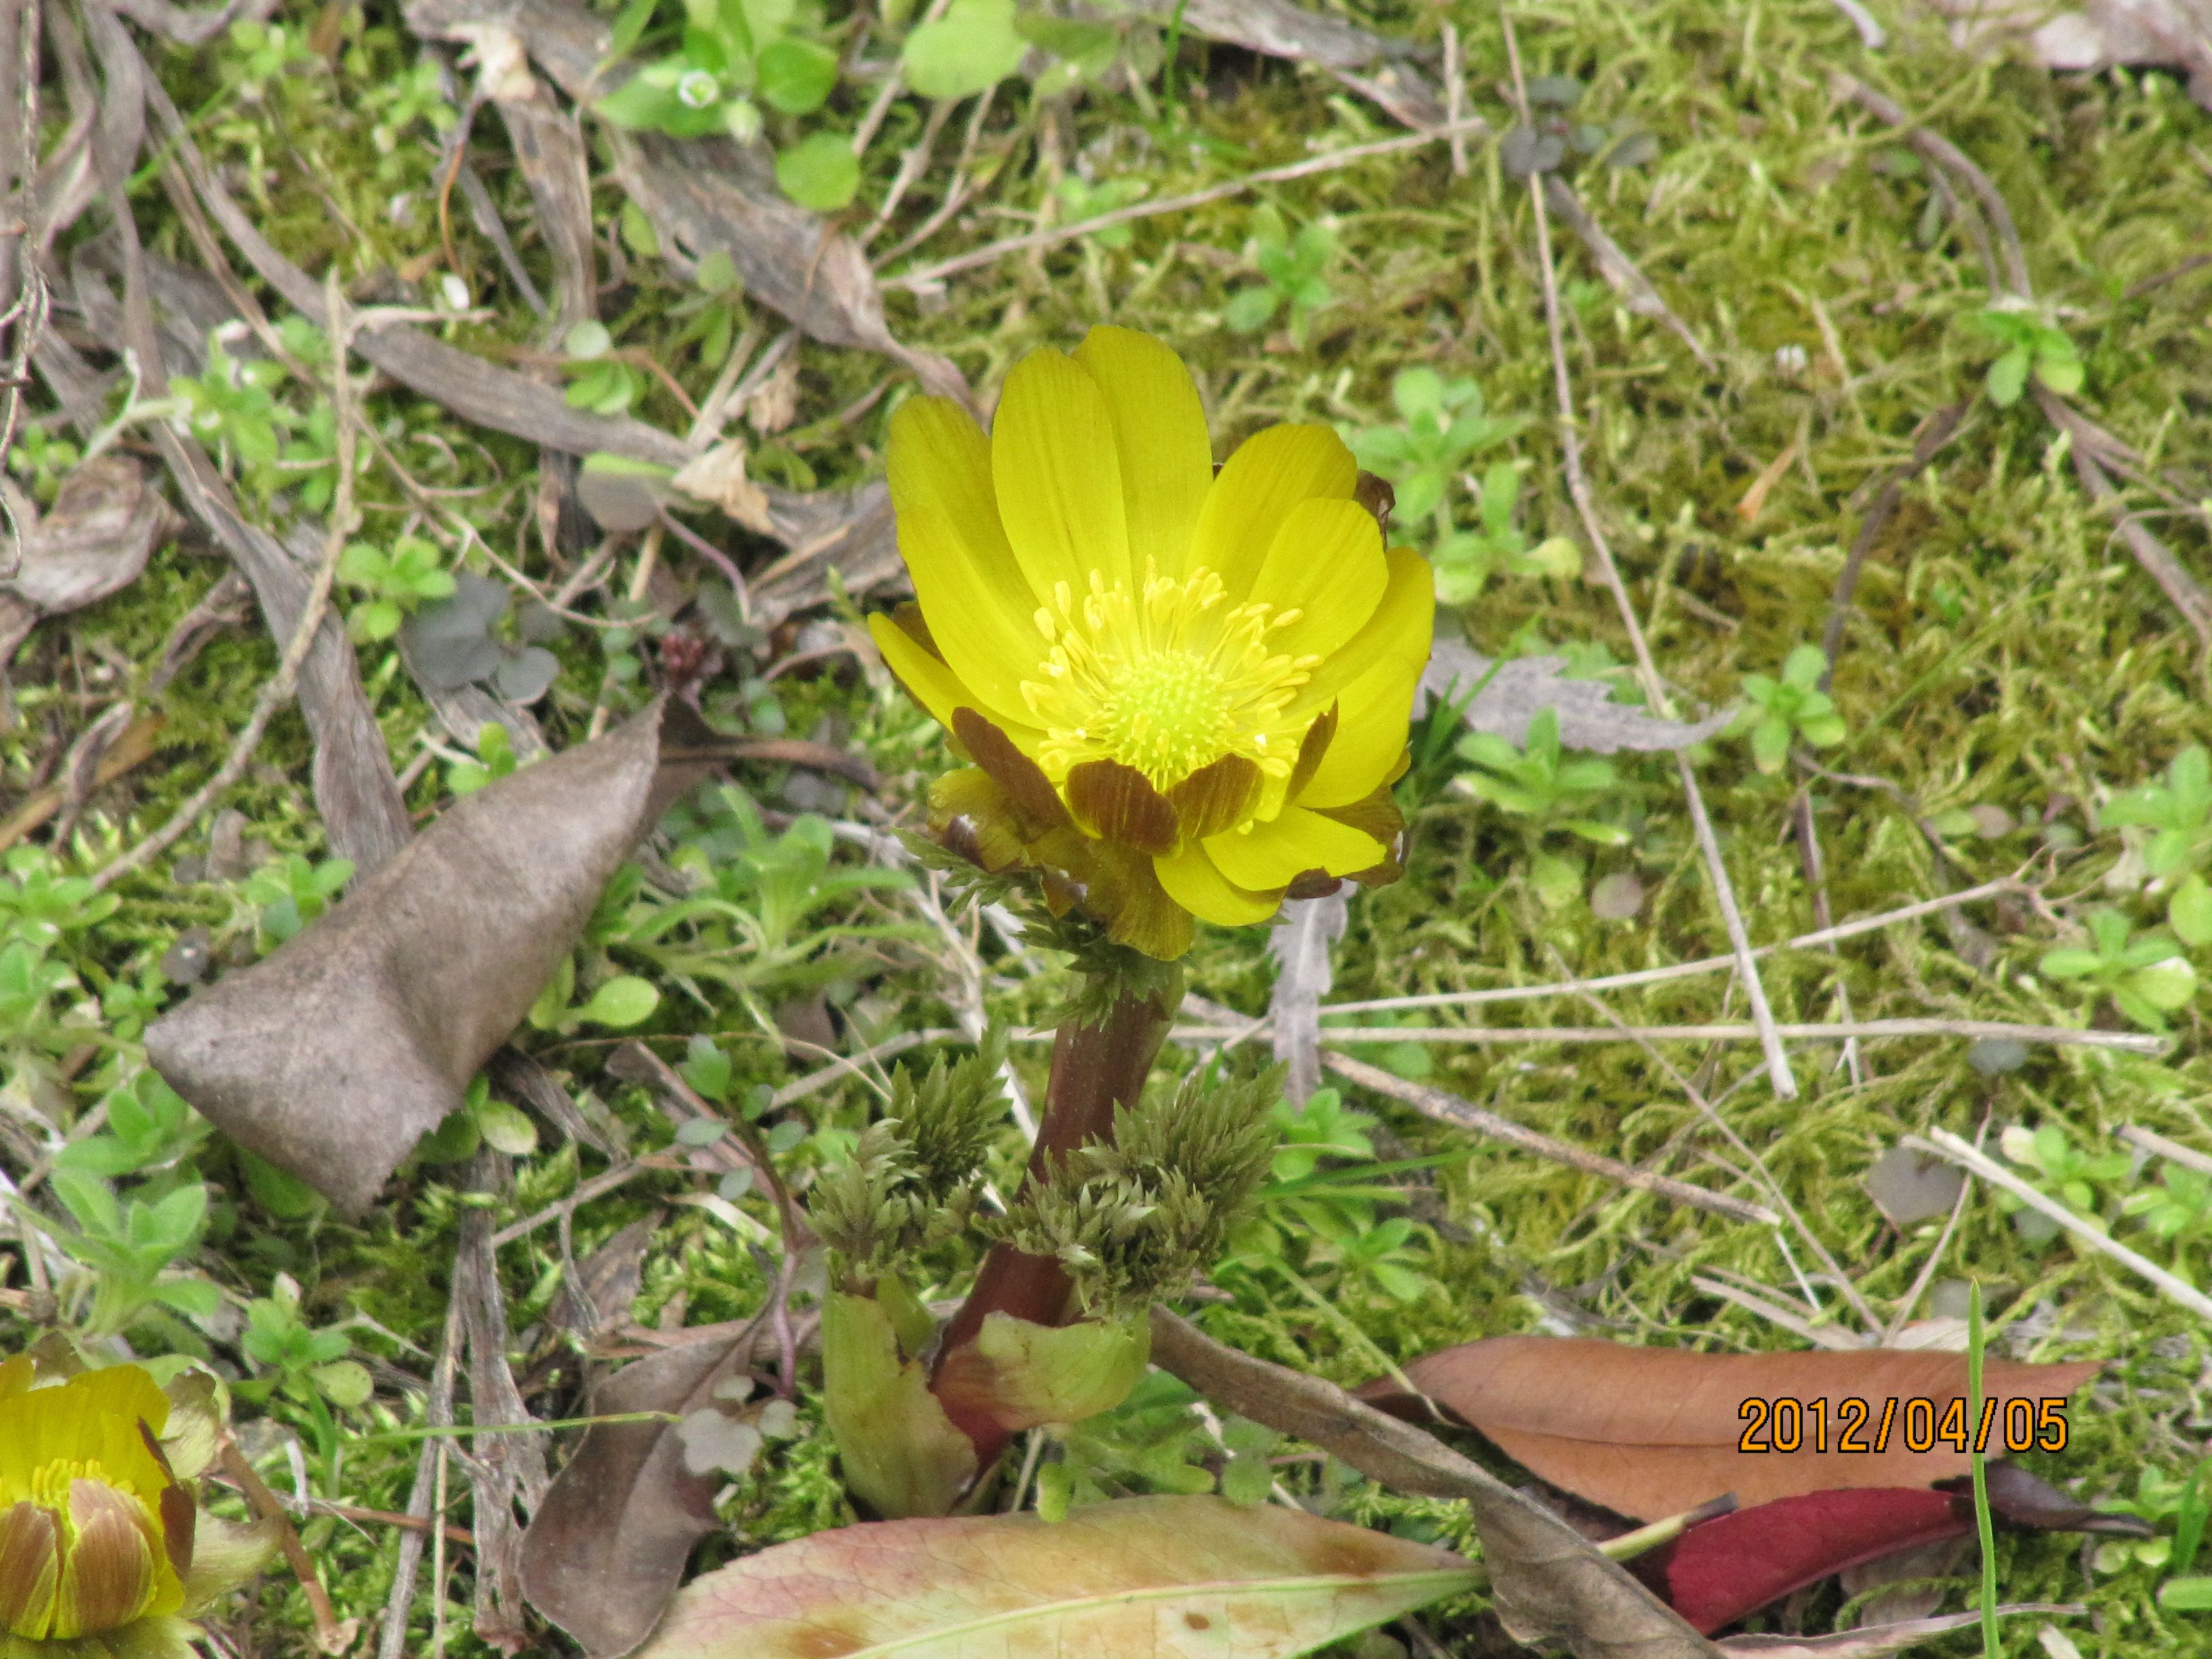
1717	1571
1720	1570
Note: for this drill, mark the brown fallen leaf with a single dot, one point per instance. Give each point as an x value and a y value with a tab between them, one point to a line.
605	1550
1548	1583
1653	1431
335	1054
1168	1577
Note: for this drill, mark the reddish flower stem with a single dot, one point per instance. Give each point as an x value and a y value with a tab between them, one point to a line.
1095	1070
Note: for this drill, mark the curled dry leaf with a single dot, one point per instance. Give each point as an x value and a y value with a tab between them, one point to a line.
1589	718
1650	1432
719	476
93	540
605	1550
1170	1577
335	1053
1377	67
1548	1583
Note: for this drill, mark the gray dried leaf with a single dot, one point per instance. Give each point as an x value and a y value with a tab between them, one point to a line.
94	541
606	1549
335	1054
528	675
713	1441
448	642
1871	1641
1300	941
1617	898
1377	66
1589	718
1908	1186
2097	36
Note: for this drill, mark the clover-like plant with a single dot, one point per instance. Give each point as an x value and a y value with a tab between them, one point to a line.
2144	973
1465	559
44	457
1442	426
598	380
1293	275
1549	793
38	902
2180	1209
1792	709
149	1126
395	583
129	1247
2178	812
2032	345
293	890
2074	1173
728	63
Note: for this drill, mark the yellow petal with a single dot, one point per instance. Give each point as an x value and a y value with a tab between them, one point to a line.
1396	638
1058	475
1159	434
1374	709
978	604
1270	473
1326	563
934	686
1270	854
1195	883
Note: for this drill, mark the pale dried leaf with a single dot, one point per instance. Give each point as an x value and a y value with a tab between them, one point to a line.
1168	1577
1589	718
1871	1641
719	476
1549	1582
1300	942
2098	36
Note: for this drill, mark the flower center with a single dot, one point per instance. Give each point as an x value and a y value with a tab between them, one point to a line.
1167	680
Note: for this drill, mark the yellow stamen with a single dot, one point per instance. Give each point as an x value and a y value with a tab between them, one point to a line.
1167	680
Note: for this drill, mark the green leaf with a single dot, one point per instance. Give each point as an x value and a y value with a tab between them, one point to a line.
506	1128
796	77
2067	963
2063	375
2007	377
2190	911
620	1002
628	28
2167	985
343	1382
1171	1577
974	45
819	172
2186	1595
1249	309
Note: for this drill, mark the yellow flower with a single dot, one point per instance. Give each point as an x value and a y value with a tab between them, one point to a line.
103	1552
1184	689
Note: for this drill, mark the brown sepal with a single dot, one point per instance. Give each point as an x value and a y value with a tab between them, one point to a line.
1377	495
1126	895
179	1513
1311	748
1024	781
973	816
1216	797
1118	803
1312	885
1373	814
909	621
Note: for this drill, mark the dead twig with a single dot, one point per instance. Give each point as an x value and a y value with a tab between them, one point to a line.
1571	448
331	1636
929	276
2173	1151
1972	1029
1447	1107
1928	442
278	691
1944	1144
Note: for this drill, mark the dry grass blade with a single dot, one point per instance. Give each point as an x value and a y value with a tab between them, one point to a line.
1623	274
1447	1107
1946	1144
1571	454
1551	1584
1301	941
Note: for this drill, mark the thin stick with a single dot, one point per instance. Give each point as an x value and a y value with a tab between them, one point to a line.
1454	99
278	691
1935	1260
1571	448
1842	930
1949	155
1447	1107
598	1187
2173	1151
1944	1144
329	1636
1937	430
929	275
1972	1030
1816	878
1776	1195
